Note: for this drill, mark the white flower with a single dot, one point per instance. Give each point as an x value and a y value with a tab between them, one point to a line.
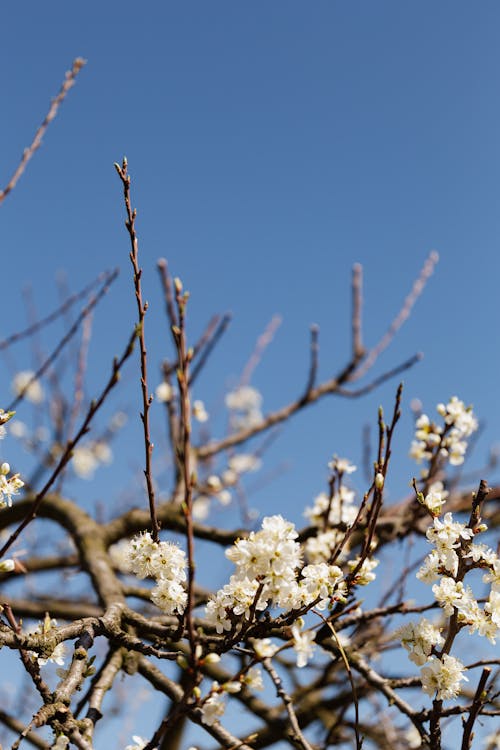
84	462
244	398
493	576
429	571
56	657
231	687
199	411
25	384
253	679
44	628
102	451
302	644
164	392
493	607
319	548
119	554
322	581
442	677
243	462
447	533
201	507
340	509
434	500
214	483
341	465
169	596
418	639
213	708
140	743
245	402
8	486
18	429
364	574
264	647
448	593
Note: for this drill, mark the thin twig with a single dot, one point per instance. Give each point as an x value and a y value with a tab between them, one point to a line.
401	317
71	444
296	733
66	338
61	310
358	350
261	345
68	82
480	698
313	366
142	307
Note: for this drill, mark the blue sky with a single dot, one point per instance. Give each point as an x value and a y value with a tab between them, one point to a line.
271	146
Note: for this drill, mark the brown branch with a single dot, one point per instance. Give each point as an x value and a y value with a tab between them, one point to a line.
67	337
480	698
167	291
70	445
17	726
313	366
358	350
142	307
401	317
184	357
61	310
261	345
207	346
68	82
295	732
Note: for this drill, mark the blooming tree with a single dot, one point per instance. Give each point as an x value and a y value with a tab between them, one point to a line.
291	649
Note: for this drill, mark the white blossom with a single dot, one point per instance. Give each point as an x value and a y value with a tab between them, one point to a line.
341	465
26	384
199	411
140	743
302	644
213	708
253	679
340	509
9	486
241	463
364	575
245	404
164	392
419	639
442	677
448	593
263	647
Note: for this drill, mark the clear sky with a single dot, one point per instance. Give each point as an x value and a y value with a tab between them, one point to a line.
271	146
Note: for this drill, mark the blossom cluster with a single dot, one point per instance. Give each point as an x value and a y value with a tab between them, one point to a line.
214	705
163	561
329	513
269	573
455	553
448	439
87	458
245	404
